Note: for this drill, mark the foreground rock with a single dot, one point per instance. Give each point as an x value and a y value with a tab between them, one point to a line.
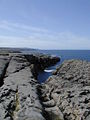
19	99
66	94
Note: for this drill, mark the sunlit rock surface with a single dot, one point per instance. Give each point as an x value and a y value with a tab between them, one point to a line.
68	91
19	97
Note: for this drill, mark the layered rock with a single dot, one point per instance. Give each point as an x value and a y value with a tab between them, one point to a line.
66	94
19	98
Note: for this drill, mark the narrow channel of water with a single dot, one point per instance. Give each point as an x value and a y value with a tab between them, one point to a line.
64	55
44	75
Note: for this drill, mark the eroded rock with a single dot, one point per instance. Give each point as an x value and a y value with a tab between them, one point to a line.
69	88
19	99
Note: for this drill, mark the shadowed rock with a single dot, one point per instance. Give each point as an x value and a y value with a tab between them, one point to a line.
40	62
4	61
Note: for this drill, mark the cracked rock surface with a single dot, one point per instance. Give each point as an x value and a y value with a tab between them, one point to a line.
68	92
18	95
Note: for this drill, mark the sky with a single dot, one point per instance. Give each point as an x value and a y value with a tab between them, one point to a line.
45	24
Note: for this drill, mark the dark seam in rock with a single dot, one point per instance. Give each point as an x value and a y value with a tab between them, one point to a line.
4	72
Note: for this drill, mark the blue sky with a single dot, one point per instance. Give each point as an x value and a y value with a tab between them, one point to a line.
45	24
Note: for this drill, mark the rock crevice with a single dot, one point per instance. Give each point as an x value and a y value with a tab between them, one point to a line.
4	62
19	98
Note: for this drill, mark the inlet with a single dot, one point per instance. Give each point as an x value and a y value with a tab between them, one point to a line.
46	73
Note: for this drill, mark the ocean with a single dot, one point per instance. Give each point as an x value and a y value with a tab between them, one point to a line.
64	55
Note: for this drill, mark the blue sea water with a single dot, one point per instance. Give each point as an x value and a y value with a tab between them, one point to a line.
64	55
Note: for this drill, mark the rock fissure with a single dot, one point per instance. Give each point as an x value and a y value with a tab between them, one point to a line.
64	96
5	63
13	107
22	102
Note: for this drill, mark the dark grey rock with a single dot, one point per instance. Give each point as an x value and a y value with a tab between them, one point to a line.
4	61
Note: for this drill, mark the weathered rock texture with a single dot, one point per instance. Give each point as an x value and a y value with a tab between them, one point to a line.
66	94
19	98
40	62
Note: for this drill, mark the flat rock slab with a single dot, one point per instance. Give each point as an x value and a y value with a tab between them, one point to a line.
69	88
19	99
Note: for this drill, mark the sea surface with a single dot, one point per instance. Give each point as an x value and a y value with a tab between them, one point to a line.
64	55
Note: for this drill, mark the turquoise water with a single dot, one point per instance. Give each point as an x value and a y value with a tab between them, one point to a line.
64	55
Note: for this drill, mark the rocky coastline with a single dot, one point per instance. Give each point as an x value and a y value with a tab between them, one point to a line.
19	97
64	96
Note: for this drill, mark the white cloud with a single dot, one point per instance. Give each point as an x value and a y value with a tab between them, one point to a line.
18	26
45	43
40	38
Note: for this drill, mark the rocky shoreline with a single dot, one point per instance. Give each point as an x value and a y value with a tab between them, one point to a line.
19	97
64	96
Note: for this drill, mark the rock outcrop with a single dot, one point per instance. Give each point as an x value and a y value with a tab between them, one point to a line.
40	62
19	97
66	94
